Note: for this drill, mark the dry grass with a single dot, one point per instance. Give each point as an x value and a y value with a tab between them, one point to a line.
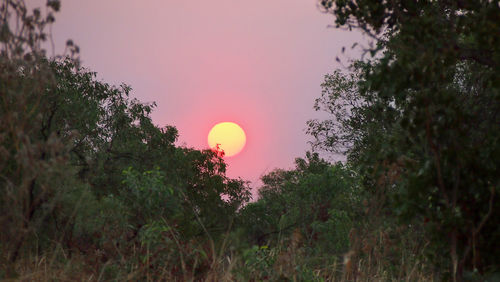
58	266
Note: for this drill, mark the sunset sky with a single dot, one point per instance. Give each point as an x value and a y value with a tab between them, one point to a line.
257	63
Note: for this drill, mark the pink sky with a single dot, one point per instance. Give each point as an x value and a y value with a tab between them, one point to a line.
258	63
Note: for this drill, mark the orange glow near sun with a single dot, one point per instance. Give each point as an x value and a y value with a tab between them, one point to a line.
229	137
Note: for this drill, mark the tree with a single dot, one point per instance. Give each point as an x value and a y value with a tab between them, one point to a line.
427	130
317	198
31	163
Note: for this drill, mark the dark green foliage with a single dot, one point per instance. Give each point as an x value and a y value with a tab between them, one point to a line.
89	170
313	207
425	129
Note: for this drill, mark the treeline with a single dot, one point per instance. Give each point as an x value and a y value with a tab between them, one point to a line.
91	189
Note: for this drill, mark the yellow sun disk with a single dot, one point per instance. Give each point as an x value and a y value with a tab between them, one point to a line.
229	136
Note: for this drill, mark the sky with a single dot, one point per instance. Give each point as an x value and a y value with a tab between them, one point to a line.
257	63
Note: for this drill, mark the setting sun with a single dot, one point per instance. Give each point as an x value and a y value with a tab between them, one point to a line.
229	136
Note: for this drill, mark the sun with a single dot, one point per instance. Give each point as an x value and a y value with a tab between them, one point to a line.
228	137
